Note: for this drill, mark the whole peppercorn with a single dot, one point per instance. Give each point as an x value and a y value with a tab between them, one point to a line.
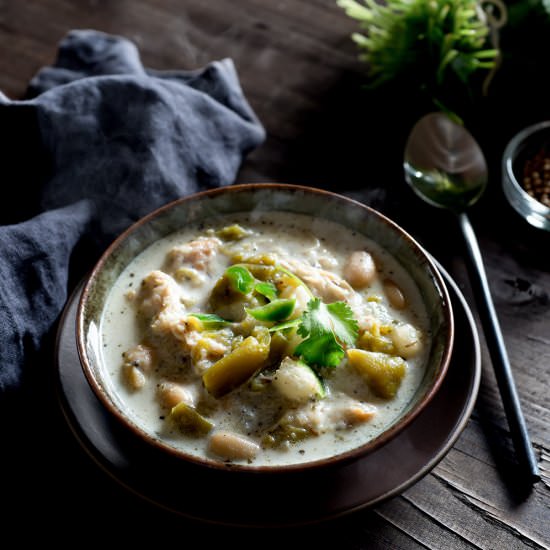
536	176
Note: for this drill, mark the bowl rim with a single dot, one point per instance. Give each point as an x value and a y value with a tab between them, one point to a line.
313	465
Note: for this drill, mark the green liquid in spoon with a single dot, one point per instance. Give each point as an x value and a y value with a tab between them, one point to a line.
443	190
444	164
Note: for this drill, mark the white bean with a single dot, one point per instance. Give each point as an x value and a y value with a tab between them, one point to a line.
231	446
140	357
407	340
170	394
134	378
138	363
360	269
394	294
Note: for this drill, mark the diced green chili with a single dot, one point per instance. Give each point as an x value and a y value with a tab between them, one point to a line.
274	311
210	320
240	279
238	366
189	420
269	290
232	232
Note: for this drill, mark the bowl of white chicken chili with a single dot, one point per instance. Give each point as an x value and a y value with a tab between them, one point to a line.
265	327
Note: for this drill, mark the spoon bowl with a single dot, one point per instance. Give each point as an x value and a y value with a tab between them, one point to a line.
443	163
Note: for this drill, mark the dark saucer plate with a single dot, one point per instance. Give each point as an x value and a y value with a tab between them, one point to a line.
236	498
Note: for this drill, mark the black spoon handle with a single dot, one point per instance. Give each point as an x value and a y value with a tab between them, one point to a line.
499	356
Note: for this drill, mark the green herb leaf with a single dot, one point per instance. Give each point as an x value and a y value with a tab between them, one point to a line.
274	311
343	322
269	290
323	351
240	279
433	46
325	328
288	324
210	320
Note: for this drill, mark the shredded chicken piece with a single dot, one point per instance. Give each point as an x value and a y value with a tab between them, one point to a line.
195	254
347	412
159	301
328	286
207	352
365	318
158	294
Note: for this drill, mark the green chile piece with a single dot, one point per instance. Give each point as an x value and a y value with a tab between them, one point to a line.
238	366
210	320
189	420
240	279
274	311
382	372
269	290
232	232
285	433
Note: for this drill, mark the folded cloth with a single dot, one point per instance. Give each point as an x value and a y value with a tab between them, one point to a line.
100	142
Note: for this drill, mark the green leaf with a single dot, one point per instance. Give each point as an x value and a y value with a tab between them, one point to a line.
323	351
269	290
210	320
274	311
344	324
326	328
428	45
288	324
240	279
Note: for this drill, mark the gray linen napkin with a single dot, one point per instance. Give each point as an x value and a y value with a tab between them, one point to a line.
100	142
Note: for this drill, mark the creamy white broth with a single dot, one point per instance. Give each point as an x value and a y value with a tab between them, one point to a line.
290	238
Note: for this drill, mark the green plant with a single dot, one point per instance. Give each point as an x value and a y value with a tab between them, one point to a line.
434	45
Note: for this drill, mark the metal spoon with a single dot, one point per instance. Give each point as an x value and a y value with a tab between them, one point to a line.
445	166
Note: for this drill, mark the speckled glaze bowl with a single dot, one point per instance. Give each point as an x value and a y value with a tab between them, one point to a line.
268	197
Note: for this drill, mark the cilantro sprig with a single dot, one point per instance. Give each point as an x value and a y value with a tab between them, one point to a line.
326	328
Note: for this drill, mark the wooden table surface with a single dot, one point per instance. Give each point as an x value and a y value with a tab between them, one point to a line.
300	72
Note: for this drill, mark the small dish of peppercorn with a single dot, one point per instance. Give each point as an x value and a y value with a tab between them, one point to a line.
526	174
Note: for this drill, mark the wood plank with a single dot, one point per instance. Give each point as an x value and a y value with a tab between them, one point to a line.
493	496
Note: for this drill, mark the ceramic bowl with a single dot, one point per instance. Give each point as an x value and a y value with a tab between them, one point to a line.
526	174
268	197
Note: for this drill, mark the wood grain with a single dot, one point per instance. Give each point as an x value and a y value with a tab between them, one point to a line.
300	72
